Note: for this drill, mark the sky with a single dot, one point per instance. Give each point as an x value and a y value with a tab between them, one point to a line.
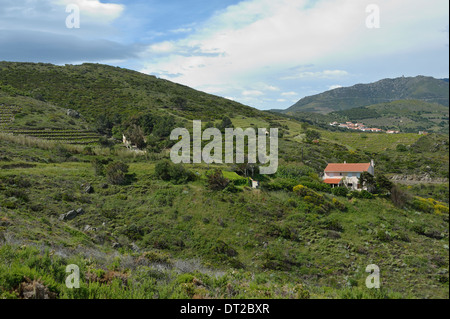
267	54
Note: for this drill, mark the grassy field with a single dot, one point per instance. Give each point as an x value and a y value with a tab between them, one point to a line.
185	241
370	142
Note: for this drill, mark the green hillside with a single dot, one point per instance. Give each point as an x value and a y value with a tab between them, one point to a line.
139	226
154	238
95	90
426	89
403	115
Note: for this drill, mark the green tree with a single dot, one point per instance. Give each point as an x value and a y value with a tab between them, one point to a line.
383	184
367	180
225	123
312	135
136	136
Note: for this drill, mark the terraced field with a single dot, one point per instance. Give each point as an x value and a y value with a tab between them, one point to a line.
7	113
83	137
12	116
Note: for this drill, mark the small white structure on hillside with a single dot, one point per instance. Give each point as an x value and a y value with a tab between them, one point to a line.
347	174
254	184
126	142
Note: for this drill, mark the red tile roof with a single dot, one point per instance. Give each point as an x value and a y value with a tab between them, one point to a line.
349	167
332	180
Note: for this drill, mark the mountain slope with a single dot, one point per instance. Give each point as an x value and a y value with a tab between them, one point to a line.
421	88
95	89
404	115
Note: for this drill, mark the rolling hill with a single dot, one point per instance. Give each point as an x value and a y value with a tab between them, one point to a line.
426	89
140	226
96	90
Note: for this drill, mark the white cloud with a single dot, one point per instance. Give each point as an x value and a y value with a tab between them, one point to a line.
162	47
252	93
106	12
326	74
265	40
181	30
289	93
335	86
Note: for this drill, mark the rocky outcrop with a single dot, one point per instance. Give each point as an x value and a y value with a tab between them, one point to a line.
71	214
417	179
73	113
33	289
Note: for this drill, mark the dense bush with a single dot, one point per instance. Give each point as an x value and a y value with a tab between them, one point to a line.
293	171
429	205
340	191
318	186
176	173
281	184
339	205
216	180
399	197
98	166
365	194
116	173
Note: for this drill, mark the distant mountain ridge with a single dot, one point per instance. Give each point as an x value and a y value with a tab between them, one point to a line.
423	88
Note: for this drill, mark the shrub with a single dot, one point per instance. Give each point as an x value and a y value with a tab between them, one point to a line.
98	166
309	195
292	171
301	292
302	190
429	205
175	173
399	197
88	151
318	186
281	184
382	235
216	180
365	194
116	173
136	136
340	191
333	224
231	188
354	194
312	135
339	205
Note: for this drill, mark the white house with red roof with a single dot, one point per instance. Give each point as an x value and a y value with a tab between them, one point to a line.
347	174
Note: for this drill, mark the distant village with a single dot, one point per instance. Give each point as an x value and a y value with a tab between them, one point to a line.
361	127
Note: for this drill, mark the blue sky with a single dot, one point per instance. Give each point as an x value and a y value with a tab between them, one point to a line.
263	53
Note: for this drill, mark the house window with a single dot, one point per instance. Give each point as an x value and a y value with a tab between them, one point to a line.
350	174
340	174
